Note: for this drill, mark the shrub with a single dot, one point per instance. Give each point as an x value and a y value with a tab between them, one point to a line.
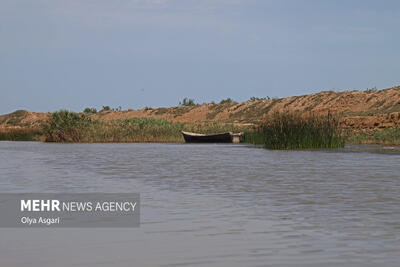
66	126
371	90
90	110
227	101
253	98
187	102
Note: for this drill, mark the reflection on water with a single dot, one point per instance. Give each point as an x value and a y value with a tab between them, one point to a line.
373	149
218	205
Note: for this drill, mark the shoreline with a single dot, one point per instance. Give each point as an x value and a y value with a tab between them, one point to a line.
183	142
365	117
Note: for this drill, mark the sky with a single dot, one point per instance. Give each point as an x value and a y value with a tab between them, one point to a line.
73	54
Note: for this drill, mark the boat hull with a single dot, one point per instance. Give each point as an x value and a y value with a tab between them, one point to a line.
207	138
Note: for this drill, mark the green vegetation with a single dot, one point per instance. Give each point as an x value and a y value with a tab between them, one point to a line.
179	111
161	111
228	101
293	131
16	117
106	108
316	100
187	102
21	134
390	136
220	107
14	121
253	98
279	131
371	90
369	98
378	104
251	112
90	110
294	98
269	107
19	113
66	126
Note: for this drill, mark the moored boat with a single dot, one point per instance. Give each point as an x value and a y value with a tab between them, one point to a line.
227	137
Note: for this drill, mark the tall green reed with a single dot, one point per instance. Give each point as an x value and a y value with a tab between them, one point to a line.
20	134
297	131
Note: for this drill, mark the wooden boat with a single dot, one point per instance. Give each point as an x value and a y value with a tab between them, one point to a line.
211	138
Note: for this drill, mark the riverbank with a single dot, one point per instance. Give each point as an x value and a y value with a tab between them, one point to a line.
66	126
367	117
390	136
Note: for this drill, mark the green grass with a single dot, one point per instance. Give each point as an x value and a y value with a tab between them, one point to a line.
293	131
23	134
66	126
279	131
390	136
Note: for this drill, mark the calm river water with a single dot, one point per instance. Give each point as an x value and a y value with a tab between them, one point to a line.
213	205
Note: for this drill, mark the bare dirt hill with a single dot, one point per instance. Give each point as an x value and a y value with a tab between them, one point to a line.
358	110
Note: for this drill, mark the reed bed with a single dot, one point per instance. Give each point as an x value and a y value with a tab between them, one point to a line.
387	136
280	131
66	126
21	134
296	131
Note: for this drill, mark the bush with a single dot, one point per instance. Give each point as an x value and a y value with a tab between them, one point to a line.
90	110
253	98
66	126
371	90
227	101
106	108
187	102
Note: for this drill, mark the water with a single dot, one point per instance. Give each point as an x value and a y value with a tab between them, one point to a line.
213	205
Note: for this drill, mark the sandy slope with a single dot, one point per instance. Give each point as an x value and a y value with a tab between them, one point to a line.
358	109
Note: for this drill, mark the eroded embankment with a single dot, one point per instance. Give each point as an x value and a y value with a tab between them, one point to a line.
359	111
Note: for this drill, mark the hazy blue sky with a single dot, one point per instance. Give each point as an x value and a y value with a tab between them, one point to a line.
134	53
